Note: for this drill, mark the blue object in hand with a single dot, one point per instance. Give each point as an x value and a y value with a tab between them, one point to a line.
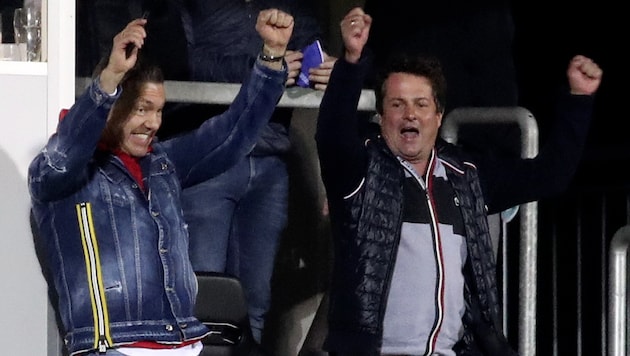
313	57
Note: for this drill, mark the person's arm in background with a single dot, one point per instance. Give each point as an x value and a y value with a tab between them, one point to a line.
508	182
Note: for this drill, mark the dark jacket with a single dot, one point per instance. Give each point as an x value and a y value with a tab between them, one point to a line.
223	44
364	186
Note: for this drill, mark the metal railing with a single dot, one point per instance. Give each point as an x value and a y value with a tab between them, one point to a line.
224	93
528	212
617	292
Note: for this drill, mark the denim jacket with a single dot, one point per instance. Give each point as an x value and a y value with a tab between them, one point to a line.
117	255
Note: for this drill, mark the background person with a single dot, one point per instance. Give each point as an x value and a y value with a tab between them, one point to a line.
236	220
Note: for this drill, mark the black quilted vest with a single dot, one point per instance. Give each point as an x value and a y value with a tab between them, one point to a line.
366	230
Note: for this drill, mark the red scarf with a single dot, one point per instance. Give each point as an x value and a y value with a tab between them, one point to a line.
131	163
133	166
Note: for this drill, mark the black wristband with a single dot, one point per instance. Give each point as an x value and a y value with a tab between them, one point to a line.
269	58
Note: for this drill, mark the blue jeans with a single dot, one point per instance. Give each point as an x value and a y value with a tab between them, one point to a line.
235	221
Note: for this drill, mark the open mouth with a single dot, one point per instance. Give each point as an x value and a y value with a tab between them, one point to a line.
409	132
142	138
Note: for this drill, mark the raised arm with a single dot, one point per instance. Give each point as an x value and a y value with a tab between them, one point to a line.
584	76
119	64
223	140
509	182
339	145
62	165
355	28
275	28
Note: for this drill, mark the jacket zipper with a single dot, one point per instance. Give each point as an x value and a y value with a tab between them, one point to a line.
439	307
102	337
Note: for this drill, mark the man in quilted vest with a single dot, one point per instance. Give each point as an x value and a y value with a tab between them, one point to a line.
414	270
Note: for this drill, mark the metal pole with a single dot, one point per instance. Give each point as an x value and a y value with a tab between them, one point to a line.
617	298
529	212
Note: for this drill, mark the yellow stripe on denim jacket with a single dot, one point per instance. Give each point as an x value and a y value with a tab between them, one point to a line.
102	337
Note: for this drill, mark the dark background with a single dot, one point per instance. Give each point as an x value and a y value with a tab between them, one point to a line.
547	36
575	228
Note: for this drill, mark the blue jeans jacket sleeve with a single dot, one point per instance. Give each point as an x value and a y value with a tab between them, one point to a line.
225	139
62	164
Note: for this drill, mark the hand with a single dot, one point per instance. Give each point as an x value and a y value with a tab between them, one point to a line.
320	75
584	75
294	64
118	64
275	27
355	28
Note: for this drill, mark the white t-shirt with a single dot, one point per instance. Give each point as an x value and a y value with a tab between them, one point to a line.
188	350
